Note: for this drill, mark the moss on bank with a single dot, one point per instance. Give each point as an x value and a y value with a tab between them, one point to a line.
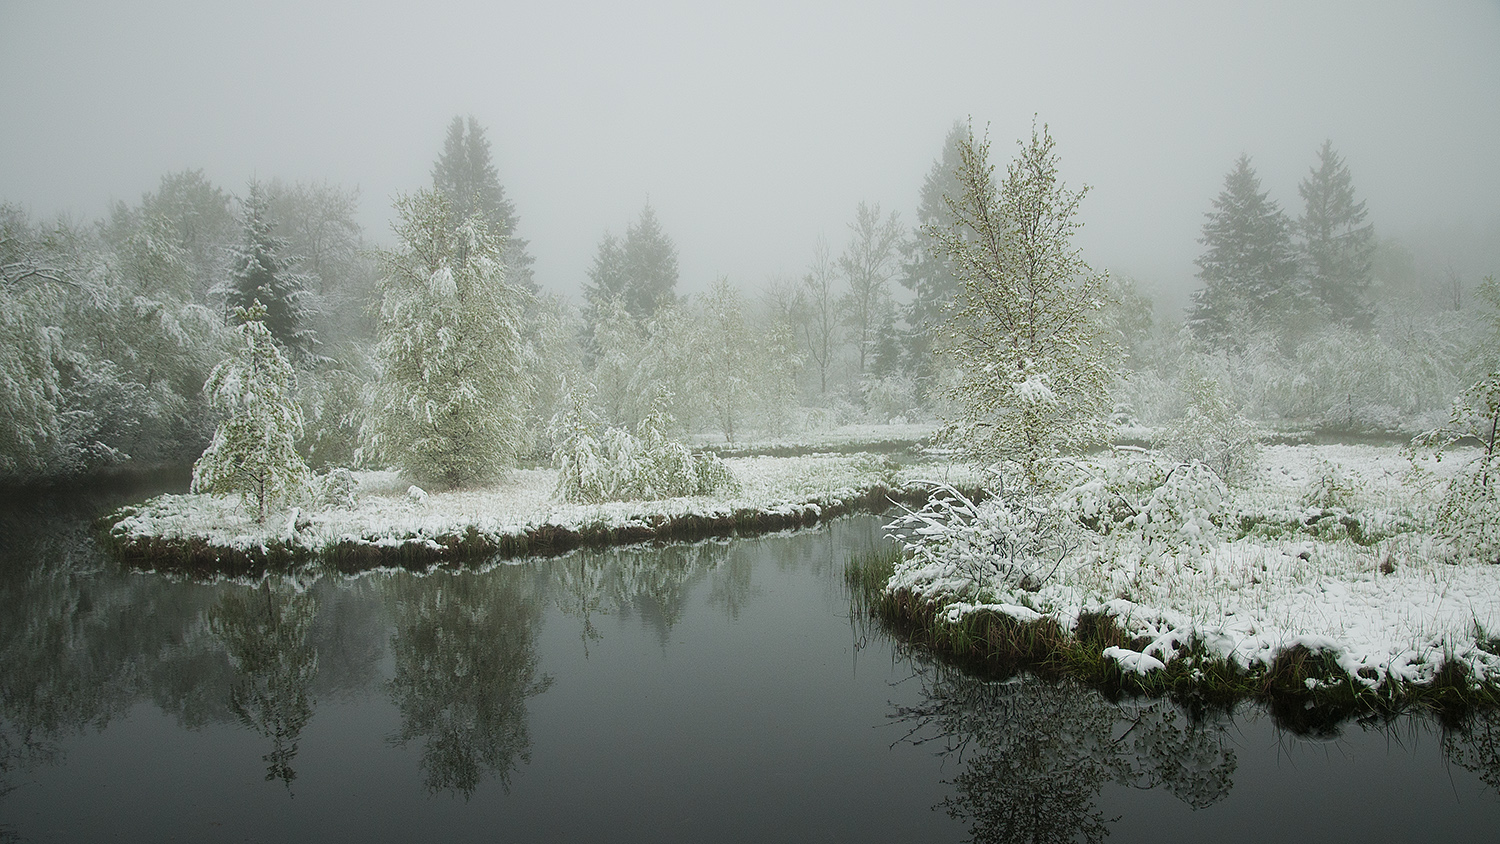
1306	691
196	556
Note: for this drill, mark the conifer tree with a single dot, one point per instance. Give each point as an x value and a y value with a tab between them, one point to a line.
254	450
449	403
465	176
1026	335
259	273
650	265
604	290
1338	246
925	267
1248	266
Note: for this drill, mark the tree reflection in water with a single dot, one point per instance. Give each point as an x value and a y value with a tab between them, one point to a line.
1035	753
651	583
1475	745
266	636
465	653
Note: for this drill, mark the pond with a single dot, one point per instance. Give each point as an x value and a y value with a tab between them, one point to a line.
720	691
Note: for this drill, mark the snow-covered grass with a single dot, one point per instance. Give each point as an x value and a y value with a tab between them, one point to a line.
861	437
1330	552
393	522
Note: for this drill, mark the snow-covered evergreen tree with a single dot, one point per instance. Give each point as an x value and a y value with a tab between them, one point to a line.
1026	335
258	272
1337	244
603	293
254	449
448	407
465	176
1248	266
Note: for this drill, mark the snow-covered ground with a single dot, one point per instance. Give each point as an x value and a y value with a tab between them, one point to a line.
389	514
1394	608
841	438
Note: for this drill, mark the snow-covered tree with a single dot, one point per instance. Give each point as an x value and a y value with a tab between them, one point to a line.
31	306
465	176
325	242
726	353
603	293
1469	515
254	449
1337	243
448	406
259	272
192	214
636	275
1026	335
1248	266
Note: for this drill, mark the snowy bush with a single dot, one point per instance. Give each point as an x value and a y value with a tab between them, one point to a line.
1332	486
1018	542
1211	432
1469	516
1167	506
336	489
614	465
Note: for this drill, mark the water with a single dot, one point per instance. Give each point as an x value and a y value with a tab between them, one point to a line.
709	692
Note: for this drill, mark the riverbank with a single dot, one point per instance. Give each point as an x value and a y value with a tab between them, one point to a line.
1323	587
389	526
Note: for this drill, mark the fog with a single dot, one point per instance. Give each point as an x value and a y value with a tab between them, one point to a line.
754	128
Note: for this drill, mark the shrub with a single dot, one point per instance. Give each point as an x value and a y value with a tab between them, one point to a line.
1016	541
615	465
1211	432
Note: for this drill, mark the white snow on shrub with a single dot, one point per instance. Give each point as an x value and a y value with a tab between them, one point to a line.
1176	557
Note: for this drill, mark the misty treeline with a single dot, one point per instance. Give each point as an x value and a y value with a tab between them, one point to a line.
442	356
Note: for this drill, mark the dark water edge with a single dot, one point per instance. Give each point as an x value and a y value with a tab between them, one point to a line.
714	691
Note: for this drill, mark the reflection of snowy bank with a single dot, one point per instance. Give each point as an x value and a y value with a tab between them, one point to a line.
1327	577
519	515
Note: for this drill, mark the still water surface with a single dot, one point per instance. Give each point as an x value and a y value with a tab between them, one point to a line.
708	692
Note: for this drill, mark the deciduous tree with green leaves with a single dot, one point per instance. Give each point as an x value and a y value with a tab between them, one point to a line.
1026	335
449	402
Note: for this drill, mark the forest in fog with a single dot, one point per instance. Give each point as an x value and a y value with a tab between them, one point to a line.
1306	318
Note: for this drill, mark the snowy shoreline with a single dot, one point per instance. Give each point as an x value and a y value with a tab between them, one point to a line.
517	516
1360	603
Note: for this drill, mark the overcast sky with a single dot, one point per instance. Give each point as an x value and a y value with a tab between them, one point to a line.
755	127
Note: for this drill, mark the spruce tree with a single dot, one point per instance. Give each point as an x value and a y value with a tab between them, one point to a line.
258	273
465	176
604	290
650	264
1338	246
925	267
1248	267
